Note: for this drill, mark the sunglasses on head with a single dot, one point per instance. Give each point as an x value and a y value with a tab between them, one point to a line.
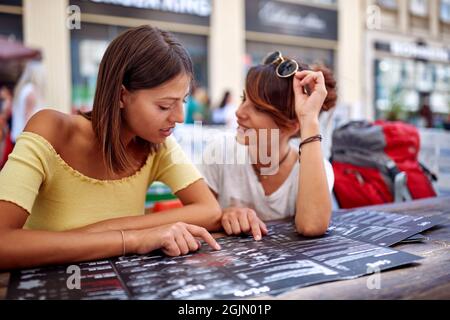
285	68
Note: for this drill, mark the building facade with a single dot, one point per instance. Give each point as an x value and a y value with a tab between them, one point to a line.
224	38
407	61
391	57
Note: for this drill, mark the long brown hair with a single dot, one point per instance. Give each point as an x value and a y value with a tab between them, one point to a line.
140	58
275	95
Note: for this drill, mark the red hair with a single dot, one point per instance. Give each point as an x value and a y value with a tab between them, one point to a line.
275	95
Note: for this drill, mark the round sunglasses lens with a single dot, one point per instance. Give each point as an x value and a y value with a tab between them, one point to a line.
287	68
272	57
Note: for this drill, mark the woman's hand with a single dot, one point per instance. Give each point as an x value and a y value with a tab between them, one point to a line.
309	106
243	220
173	239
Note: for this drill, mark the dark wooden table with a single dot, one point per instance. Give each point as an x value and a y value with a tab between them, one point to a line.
427	279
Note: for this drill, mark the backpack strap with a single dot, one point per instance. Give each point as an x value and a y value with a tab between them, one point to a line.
431	176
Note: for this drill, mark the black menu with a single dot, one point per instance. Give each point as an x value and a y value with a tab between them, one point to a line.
378	227
282	261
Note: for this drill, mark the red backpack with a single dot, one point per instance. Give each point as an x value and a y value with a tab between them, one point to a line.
376	163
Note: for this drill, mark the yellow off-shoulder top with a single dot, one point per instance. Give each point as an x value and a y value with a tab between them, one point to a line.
58	197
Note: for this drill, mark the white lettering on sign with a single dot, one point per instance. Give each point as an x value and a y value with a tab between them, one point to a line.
412	50
272	13
200	8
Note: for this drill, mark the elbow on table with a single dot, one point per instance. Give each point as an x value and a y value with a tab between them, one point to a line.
313	221
311	229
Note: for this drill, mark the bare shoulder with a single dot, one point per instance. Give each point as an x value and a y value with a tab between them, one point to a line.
52	125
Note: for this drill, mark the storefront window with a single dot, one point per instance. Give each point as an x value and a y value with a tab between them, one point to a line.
445	11
418	7
11	26
424	76
403	87
388	4
197	47
88	46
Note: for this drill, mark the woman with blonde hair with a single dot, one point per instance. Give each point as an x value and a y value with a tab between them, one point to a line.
29	96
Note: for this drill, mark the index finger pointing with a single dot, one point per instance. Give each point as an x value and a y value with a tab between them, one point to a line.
256	231
205	235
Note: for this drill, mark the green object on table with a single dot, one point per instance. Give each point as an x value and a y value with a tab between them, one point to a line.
158	191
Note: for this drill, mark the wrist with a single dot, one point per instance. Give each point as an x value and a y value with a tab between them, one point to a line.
308	118
309	128
131	241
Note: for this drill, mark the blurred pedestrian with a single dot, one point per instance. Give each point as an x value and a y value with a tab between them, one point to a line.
196	105
28	96
193	107
202	97
6	98
225	114
427	116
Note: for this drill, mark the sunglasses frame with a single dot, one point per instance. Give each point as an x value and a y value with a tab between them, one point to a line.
279	61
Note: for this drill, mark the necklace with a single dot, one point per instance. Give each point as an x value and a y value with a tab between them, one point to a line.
265	177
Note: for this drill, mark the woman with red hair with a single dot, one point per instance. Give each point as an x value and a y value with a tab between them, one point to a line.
282	100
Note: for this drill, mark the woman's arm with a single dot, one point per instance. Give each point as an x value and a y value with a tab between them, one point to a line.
314	207
313	199
200	208
21	248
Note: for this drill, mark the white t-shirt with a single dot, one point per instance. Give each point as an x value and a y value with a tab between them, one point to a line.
19	118
225	115
238	186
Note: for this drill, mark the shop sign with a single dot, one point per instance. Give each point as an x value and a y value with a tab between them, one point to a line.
193	12
11	2
291	19
414	51
200	8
